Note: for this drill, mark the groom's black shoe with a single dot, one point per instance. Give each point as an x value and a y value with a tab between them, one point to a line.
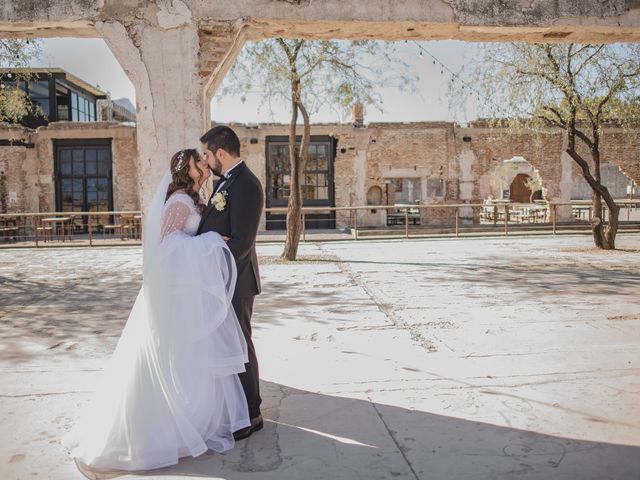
256	424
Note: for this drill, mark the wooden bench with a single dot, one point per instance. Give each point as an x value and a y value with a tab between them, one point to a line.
399	218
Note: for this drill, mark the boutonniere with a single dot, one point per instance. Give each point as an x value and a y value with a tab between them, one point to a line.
219	200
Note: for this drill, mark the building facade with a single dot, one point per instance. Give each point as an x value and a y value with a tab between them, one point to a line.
93	166
58	95
430	163
61	157
67	167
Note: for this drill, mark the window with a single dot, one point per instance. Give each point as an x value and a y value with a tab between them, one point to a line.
316	181
82	102
435	187
82	109
280	176
83	180
407	190
39	95
74	107
62	100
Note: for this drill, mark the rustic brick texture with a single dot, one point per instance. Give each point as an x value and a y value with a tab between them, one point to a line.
542	150
13	180
622	149
29	171
368	159
215	43
376	154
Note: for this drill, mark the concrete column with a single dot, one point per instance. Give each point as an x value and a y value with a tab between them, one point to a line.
566	185
176	67
161	61
467	183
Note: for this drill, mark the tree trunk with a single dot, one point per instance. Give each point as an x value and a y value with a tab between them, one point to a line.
611	231
294	207
597	229
294	210
604	238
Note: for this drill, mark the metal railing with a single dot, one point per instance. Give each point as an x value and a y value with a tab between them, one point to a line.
71	228
408	220
389	221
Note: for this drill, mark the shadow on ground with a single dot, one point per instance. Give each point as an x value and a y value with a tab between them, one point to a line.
309	435
60	313
66	311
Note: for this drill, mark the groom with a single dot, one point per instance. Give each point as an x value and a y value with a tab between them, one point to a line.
234	212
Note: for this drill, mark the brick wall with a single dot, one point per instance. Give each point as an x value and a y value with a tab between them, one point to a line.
13	184
464	159
368	159
29	172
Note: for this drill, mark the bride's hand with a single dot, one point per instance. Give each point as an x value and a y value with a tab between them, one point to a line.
226	239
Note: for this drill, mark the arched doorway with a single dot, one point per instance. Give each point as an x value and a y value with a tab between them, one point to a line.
513	180
520	191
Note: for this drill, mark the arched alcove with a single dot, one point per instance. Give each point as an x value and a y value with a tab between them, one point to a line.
374	195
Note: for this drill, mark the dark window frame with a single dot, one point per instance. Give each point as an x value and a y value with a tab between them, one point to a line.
75	145
315	140
313	220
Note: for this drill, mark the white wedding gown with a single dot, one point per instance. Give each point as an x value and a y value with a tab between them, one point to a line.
171	387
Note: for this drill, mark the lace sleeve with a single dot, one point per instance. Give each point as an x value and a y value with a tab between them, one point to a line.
174	217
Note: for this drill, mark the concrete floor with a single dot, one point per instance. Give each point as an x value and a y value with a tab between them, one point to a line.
492	358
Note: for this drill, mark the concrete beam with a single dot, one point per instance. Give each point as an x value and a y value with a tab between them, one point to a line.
474	20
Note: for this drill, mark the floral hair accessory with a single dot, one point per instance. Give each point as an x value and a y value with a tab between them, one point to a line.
180	163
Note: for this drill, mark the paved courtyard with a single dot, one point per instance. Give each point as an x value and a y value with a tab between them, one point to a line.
491	358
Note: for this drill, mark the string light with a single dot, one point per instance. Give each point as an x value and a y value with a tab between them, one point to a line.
455	77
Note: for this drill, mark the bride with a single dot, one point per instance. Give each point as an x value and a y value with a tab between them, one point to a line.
171	387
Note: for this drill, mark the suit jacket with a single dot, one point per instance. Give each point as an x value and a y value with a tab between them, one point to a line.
239	221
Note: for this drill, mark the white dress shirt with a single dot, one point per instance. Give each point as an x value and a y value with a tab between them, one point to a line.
226	176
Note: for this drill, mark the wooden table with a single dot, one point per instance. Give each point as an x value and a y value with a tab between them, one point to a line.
65	224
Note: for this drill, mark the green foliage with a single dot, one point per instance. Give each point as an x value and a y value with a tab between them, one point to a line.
14	104
16	55
331	72
535	85
500	175
533	183
307	75
579	88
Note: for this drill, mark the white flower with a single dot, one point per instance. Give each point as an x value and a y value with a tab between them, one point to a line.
219	200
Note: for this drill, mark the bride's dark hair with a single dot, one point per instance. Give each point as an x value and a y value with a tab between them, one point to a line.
180	179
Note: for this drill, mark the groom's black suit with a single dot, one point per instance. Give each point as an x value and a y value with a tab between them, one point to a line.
239	221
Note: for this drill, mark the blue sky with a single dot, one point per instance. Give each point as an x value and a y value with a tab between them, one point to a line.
91	60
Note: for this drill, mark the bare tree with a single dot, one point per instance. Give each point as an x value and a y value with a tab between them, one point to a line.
309	75
579	88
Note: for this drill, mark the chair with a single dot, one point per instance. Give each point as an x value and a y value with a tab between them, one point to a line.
71	226
46	230
9	228
129	227
113	227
